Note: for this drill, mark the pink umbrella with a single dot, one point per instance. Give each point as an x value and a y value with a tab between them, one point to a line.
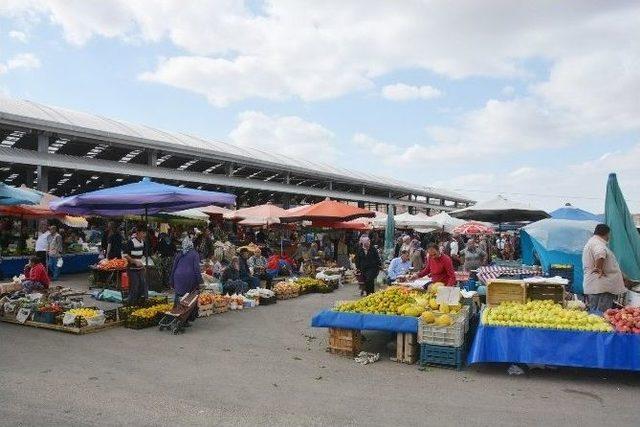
472	227
262	214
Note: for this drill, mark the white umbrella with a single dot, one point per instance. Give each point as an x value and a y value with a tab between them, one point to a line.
446	222
194	213
407	220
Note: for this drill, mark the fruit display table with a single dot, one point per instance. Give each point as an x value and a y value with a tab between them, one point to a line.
365	321
603	350
73	263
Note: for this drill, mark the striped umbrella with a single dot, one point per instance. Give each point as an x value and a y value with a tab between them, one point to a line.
472	227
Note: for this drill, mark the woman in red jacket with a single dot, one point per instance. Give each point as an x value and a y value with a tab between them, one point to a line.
38	278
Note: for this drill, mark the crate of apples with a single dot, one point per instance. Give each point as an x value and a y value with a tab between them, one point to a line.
625	319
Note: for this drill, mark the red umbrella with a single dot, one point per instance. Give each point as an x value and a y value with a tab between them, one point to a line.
328	211
472	228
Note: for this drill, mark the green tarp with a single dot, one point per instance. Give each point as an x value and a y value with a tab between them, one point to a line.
624	239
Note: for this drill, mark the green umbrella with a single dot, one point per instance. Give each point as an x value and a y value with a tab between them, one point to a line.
389	243
624	238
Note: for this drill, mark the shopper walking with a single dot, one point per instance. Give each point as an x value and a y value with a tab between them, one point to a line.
166	253
42	243
55	249
185	275
368	263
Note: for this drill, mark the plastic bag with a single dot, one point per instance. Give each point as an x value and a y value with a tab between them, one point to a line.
96	320
69	319
60	262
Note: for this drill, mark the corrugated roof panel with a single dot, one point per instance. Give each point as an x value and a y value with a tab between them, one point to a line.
92	124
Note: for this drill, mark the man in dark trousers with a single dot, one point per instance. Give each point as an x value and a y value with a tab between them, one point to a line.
368	263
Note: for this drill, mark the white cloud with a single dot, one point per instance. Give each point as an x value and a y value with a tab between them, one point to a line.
508	91
18	35
290	136
319	50
375	147
581	184
22	60
404	92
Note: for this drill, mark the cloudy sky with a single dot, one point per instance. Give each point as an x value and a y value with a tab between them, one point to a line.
537	101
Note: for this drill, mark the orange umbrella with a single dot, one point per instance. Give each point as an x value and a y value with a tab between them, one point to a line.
42	210
344	225
328	211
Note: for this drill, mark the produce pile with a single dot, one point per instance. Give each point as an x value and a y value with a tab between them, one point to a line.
310	285
284	290
397	300
260	293
85	313
213	299
113	264
543	314
625	319
51	308
146	317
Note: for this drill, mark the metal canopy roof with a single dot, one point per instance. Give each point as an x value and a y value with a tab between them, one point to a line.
60	120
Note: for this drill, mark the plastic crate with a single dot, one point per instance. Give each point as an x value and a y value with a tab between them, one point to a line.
44	317
564	271
501	290
448	336
442	356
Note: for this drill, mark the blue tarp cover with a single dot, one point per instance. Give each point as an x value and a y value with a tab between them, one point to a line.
557	348
370	322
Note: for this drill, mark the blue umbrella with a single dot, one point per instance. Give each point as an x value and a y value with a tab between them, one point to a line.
624	238
573	213
140	198
389	243
16	196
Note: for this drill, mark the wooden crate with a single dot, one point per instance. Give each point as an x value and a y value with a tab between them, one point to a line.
406	348
501	290
62	328
545	291
345	342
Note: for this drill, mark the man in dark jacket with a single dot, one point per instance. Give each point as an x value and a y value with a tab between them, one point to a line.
368	263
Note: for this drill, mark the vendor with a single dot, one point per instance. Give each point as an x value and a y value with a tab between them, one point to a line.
42	242
38	279
603	279
399	266
258	267
245	272
135	252
438	266
231	281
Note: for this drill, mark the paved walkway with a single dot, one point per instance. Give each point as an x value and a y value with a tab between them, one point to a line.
266	366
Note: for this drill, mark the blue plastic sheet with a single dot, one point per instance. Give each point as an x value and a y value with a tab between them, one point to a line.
73	263
558	348
368	322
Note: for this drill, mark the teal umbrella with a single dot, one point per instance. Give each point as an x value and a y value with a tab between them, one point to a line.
16	196
389	243
624	238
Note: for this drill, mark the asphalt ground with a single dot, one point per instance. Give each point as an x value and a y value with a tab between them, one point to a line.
267	366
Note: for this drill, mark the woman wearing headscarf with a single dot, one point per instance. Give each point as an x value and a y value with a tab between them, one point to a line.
185	275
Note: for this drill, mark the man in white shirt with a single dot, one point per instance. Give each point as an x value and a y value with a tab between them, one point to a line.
603	279
42	243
